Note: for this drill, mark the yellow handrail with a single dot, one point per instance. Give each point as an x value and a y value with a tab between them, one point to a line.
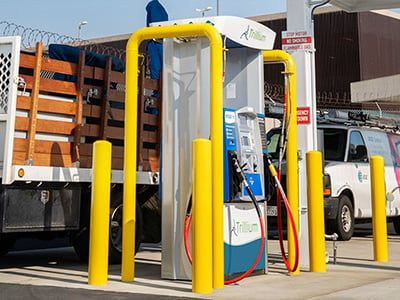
292	180
216	104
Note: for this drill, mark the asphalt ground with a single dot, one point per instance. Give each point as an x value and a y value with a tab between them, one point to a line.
57	273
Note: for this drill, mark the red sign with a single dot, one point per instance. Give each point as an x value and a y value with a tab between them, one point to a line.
303	115
296	40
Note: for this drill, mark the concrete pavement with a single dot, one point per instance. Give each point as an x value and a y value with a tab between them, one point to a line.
58	274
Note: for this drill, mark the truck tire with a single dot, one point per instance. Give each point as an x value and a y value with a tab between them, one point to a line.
6	243
81	241
396	224
344	222
115	249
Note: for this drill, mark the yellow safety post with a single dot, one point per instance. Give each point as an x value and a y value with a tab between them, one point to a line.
202	217
100	213
130	149
316	223
292	181
379	226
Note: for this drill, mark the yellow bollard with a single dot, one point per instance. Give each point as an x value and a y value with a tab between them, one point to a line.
316	226
202	279
379	225
100	213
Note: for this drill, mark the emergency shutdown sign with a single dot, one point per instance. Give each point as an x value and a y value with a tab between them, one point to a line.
296	40
303	115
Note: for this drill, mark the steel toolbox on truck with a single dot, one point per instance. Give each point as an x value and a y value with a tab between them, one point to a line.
51	112
347	148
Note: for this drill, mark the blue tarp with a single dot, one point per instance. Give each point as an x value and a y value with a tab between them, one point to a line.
71	54
155	13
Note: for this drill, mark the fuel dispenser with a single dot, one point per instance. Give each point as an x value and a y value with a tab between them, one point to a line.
186	116
242	231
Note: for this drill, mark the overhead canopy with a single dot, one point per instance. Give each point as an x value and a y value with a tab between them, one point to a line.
364	5
242	31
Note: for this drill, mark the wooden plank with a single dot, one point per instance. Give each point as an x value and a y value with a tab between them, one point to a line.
50	85
26	61
93	72
79	107
19	145
151	84
86	149
45	126
105	107
116	164
53	147
117	77
150	137
150	119
118	114
46	105
116	95
18	158
42	146
59	66
39	159
93	130
140	115
34	102
94	111
98	74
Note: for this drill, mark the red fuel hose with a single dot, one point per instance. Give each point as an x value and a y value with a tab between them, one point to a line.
279	221
188	220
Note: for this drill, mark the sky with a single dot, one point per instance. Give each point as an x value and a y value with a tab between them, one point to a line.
106	18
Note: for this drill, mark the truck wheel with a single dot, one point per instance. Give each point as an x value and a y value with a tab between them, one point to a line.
345	219
396	224
6	243
81	241
115	249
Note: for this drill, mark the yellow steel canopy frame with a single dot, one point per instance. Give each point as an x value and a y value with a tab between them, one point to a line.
130	149
280	56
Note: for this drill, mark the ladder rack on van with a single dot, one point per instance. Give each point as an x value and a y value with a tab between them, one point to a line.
351	118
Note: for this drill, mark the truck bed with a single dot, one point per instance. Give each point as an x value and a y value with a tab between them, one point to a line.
57	121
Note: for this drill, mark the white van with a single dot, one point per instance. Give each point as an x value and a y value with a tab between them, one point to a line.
347	188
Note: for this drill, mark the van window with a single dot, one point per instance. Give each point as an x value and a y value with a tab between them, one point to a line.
273	143
357	148
334	144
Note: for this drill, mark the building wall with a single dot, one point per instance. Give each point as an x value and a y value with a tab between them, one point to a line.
337	56
379	45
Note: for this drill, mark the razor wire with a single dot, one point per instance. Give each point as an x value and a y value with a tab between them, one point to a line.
334	101
30	36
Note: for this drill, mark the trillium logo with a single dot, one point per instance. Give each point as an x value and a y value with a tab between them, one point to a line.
243	227
250	33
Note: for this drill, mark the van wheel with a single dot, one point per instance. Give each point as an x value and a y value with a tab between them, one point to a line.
396	224
345	219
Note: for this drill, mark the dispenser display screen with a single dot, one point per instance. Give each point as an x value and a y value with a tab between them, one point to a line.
245	141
